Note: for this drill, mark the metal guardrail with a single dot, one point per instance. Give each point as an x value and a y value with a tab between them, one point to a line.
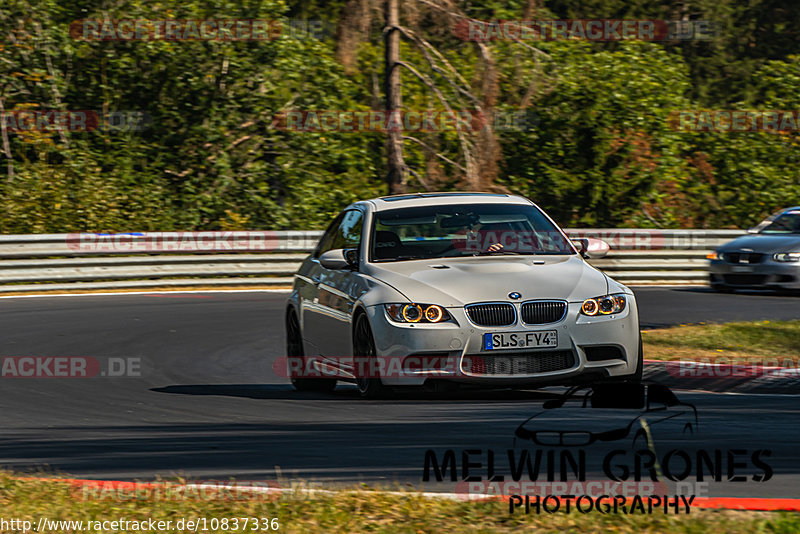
45	262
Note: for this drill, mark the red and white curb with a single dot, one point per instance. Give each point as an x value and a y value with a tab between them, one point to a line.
743	378
100	489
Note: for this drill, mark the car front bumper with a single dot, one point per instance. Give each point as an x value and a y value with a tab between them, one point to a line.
768	274
588	348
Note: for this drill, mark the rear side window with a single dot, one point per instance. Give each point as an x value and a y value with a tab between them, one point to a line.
344	232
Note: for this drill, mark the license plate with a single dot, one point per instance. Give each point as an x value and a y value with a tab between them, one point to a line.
741	269
520	340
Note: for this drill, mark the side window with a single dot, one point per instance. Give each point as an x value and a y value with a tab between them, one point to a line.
327	238
344	232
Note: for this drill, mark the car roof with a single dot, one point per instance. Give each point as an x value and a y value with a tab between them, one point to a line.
438	199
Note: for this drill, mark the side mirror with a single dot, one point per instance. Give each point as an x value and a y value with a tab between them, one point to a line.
591	248
338	259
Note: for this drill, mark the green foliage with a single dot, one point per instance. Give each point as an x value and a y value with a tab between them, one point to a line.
602	153
602	143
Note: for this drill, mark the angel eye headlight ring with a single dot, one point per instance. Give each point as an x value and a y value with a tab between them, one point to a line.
434	313
590	307
417	313
412	313
604	305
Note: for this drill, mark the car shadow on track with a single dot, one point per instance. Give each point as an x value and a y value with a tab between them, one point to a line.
350	393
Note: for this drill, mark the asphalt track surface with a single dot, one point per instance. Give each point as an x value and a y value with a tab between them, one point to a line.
208	404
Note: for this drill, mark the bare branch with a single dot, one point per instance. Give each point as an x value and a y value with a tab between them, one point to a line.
51	71
425	47
470	19
6	144
429	83
466	144
435	153
416	175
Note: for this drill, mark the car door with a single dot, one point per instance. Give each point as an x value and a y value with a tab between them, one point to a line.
307	281
327	315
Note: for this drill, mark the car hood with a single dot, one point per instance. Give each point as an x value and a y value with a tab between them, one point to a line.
764	243
454	282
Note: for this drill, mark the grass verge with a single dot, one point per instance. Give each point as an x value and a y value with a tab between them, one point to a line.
757	342
360	511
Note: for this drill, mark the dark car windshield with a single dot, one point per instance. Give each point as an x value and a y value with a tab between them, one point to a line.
785	223
464	230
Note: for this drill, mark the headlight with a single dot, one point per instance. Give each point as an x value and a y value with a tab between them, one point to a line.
417	313
605	305
714	256
787	257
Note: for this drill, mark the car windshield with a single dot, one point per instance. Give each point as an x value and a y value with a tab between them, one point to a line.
464	230
785	223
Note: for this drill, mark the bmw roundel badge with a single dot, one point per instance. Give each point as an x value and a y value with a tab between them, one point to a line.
514	295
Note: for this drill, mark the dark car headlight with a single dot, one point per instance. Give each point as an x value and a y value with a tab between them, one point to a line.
716	255
787	257
416	313
605	305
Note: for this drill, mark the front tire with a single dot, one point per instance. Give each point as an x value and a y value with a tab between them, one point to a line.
637	375
294	350
364	349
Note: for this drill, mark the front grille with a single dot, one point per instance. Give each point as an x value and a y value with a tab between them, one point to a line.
517	363
744	279
499	314
744	257
543	311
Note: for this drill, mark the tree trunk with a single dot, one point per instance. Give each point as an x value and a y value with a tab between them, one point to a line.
396	175
6	144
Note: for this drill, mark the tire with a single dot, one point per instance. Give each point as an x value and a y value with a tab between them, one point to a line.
634	377
364	347
294	348
637	376
721	288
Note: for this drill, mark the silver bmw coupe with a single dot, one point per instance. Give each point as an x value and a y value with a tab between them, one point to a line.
448	288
